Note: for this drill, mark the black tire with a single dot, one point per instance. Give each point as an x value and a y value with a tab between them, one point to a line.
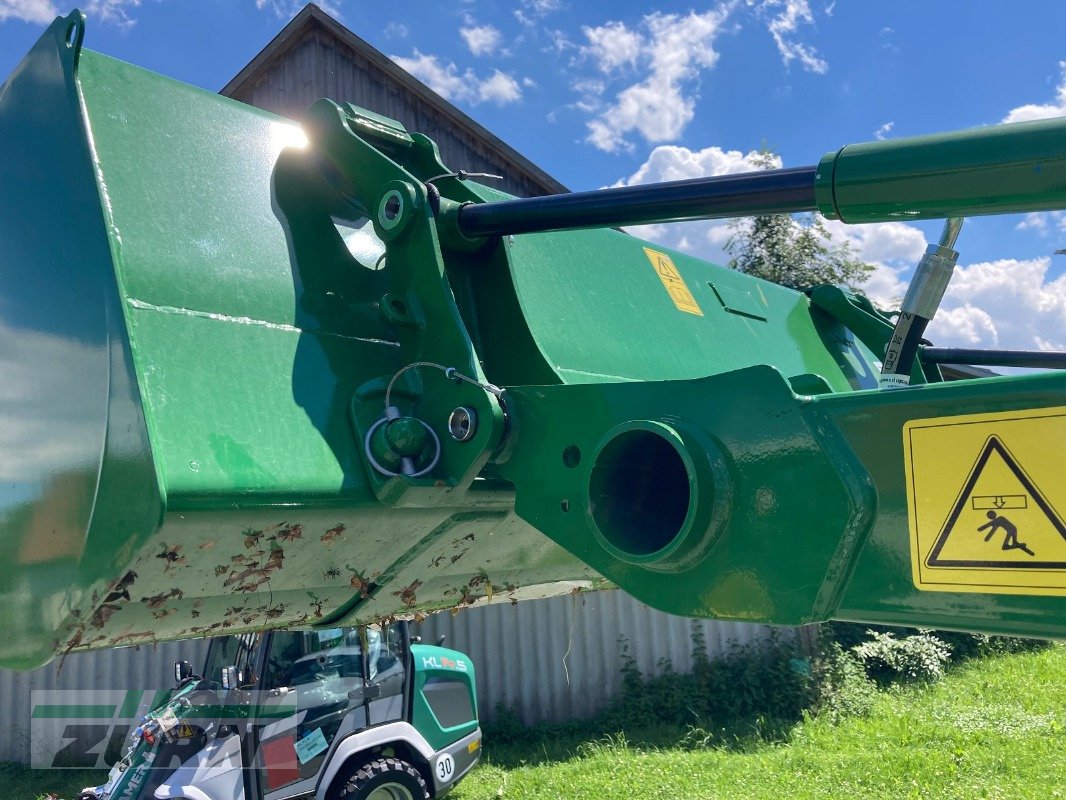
387	779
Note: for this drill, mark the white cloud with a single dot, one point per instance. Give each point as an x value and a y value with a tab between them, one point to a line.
894	248
672	49
543	7
560	43
396	30
1034	221
893	243
1041	222
447	81
590	92
500	89
1008	303
287	9
42	11
116	12
784	25
674	163
885	286
481	39
703	238
613	45
1056	108
884	130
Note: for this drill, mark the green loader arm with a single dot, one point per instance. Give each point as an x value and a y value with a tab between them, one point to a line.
267	374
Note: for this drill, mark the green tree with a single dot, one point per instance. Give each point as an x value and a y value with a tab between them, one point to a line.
795	251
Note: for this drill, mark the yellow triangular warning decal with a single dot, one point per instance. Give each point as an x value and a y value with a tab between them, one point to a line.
1000	519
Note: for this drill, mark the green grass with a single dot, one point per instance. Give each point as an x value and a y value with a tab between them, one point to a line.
22	783
994	728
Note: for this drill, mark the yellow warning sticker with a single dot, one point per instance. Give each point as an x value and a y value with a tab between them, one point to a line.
983	494
674	283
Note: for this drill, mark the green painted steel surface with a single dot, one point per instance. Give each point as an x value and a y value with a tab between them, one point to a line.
189	330
205	307
75	448
995	169
440	669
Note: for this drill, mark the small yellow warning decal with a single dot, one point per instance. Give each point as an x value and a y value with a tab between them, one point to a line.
674	283
983	494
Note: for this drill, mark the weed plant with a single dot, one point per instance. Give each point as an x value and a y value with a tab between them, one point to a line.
755	694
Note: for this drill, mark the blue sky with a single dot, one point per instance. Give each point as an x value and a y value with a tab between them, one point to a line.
600	93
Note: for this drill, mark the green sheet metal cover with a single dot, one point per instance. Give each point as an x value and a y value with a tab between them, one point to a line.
74	441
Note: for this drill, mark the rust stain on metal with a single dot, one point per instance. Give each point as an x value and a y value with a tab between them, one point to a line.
171	555
457	543
330	537
253	575
407	594
121	588
251	537
316	604
359	581
132	637
291	533
103	614
157	600
360	585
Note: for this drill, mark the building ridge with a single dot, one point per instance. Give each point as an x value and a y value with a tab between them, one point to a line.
312	17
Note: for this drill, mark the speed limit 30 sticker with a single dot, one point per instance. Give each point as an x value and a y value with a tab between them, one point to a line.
444	767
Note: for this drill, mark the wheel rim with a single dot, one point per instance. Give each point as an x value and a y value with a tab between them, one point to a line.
391	791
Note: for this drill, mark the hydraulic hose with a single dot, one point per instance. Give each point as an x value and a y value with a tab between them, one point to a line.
924	294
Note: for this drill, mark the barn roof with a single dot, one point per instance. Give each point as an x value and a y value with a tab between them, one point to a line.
313	19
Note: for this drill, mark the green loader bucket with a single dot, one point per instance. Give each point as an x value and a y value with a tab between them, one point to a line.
178	458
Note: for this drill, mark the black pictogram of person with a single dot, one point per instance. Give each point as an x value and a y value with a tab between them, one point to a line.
1010	530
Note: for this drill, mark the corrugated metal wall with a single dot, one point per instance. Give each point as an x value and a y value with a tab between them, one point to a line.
553	659
145	667
559	658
